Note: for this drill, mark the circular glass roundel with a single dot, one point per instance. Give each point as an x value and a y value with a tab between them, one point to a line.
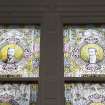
11	53
97	103
92	50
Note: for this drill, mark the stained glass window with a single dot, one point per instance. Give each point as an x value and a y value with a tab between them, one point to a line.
18	94
19	51
85	94
84	51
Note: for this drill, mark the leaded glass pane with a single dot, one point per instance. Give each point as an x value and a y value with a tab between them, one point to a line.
85	94
18	94
84	51
19	51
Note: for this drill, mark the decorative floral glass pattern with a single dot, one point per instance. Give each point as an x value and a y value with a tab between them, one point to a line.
19	51
84	94
84	51
18	94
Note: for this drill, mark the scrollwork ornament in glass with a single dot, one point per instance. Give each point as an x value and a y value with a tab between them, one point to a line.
19	51
18	94
84	51
85	94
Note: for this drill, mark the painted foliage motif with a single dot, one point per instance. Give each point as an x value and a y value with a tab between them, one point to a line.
20	51
84	51
18	94
84	94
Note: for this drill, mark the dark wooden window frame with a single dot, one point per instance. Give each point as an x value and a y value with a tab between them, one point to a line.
52	15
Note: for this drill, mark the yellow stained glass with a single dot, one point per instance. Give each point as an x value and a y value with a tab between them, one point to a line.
96	103
19	51
84	51
84	54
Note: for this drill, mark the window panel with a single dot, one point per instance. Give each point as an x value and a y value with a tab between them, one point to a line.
18	94
19	51
85	94
84	51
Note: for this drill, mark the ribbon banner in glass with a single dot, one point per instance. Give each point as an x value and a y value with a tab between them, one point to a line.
84	51
19	51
